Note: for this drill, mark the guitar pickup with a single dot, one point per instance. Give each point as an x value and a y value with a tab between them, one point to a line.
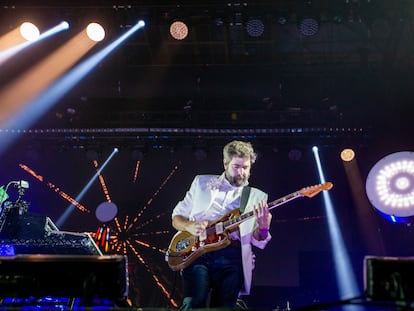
219	228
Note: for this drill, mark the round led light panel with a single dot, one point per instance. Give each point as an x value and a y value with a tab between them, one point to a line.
390	184
179	30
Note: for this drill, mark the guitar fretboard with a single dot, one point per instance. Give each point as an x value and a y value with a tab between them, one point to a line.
309	192
271	205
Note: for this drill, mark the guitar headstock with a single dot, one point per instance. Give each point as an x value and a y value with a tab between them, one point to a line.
311	191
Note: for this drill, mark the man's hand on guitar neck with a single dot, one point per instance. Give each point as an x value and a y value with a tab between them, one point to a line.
263	219
194	227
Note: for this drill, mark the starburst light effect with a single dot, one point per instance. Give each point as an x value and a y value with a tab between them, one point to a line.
127	235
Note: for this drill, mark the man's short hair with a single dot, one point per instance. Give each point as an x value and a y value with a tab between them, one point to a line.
237	148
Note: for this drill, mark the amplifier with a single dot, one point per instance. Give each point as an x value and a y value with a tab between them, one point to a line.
389	278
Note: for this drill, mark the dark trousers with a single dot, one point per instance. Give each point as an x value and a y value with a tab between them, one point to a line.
213	280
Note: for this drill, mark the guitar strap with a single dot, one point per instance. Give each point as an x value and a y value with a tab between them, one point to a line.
244	198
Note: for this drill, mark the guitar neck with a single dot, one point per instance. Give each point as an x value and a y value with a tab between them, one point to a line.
237	220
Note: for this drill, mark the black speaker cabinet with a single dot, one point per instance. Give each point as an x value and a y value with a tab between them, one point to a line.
73	276
389	278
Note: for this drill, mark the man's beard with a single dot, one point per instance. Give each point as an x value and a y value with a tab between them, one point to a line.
237	181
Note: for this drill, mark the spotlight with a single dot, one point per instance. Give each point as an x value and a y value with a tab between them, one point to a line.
95	32
200	154
255	27
390	186
29	31
92	154
309	26
295	154
347	155
219	22
179	30
137	155
64	25
282	20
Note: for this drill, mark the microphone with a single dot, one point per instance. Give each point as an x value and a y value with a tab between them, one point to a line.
23	184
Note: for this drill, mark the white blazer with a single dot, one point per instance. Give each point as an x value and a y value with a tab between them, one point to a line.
199	198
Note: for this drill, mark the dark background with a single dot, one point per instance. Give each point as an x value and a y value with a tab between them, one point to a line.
349	85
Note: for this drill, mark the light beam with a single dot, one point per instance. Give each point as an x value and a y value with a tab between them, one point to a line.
85	189
344	273
11	50
38	105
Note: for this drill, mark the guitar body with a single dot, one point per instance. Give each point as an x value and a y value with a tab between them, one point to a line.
184	247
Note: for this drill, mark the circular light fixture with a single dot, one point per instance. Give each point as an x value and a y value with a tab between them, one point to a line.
95	32
92	154
282	20
347	155
64	25
200	154
255	27
106	211
390	186
29	31
295	154
179	30
309	27
137	155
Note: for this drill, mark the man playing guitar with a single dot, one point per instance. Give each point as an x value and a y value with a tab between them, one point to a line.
219	267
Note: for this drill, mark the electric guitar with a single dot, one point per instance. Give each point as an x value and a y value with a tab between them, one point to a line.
184	247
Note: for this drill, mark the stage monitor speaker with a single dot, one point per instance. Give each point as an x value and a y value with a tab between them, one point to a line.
84	277
389	278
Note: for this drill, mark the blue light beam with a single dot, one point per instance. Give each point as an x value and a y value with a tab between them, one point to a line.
6	54
345	275
57	90
85	189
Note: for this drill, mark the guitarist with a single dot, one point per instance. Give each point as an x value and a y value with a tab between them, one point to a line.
217	278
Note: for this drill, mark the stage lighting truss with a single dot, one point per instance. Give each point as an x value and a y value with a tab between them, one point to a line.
179	30
390	186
